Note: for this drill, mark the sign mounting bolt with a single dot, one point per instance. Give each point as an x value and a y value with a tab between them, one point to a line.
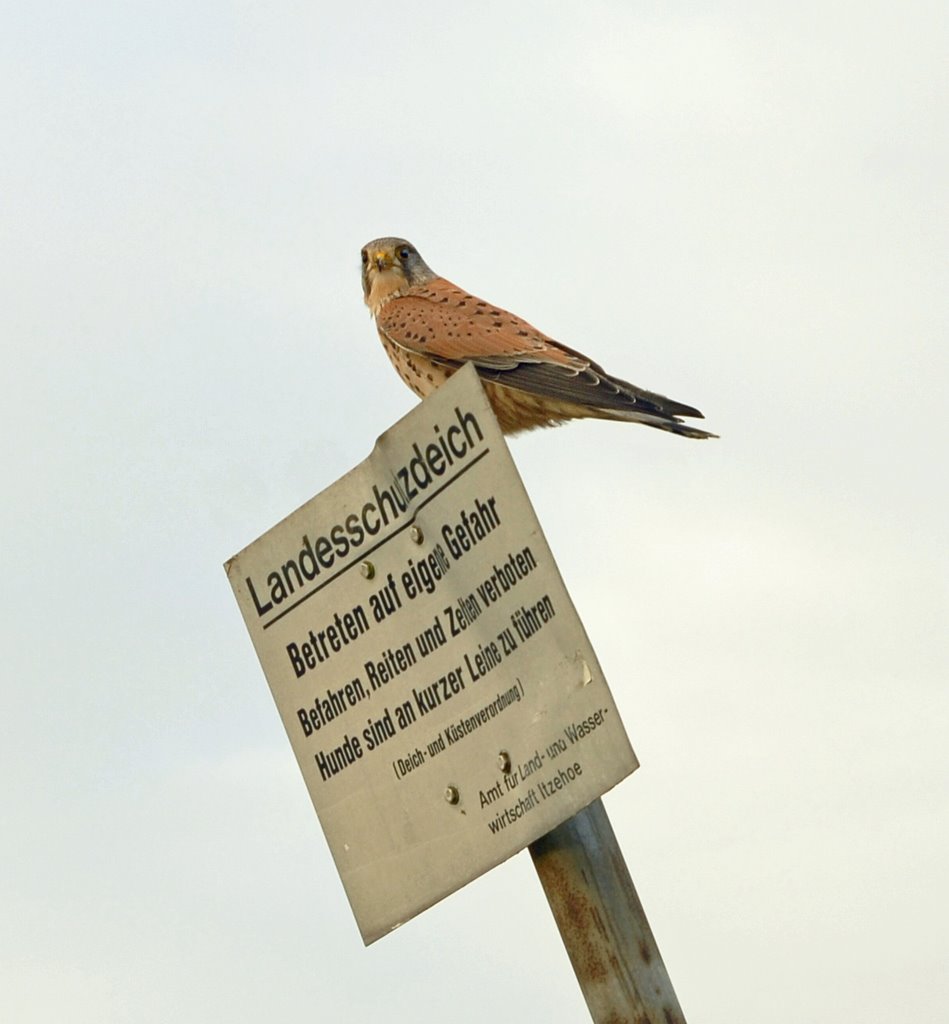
416	534
452	795
368	570
504	762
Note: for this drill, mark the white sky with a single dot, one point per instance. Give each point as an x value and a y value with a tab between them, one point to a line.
742	207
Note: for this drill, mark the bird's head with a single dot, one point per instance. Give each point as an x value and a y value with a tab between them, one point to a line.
390	266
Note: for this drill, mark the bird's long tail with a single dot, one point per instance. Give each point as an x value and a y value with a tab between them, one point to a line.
587	390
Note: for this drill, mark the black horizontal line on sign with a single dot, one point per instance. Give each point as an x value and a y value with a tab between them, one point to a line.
364	555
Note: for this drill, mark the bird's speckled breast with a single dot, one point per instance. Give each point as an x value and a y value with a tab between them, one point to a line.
421	374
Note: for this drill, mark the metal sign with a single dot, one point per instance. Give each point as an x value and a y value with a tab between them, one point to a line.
438	689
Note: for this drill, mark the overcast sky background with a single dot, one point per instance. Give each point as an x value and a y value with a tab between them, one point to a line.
742	206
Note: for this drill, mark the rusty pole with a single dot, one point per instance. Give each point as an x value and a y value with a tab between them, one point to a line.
602	922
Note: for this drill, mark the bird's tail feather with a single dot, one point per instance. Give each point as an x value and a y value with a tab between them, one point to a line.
669	423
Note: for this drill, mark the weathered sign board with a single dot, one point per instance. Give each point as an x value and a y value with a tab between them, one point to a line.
439	691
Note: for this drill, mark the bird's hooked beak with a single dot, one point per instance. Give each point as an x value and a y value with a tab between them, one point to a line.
381	260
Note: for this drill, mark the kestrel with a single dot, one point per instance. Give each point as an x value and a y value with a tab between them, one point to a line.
431	327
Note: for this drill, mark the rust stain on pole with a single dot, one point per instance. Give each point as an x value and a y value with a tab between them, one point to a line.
602	923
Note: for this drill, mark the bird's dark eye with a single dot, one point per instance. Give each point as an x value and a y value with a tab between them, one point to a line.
404	252
365	256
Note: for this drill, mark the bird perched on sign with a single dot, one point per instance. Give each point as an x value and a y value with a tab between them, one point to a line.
431	327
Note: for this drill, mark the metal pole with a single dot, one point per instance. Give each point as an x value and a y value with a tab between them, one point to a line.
602	922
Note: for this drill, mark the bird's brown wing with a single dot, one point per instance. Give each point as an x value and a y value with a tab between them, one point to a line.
445	322
451	326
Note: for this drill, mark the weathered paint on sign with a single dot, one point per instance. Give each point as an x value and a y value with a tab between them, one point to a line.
438	689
